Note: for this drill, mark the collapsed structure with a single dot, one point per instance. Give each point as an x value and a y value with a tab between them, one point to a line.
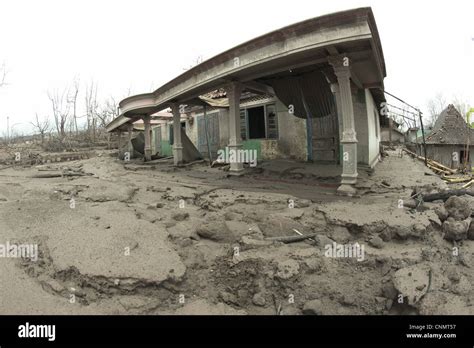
450	142
308	91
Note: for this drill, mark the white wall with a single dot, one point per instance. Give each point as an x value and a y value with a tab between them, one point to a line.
361	126
373	129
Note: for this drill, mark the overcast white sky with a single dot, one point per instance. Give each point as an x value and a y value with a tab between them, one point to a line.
142	44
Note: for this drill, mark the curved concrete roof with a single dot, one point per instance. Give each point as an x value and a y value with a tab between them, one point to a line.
351	32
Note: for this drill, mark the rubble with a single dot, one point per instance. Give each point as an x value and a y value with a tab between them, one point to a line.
223	251
287	269
412	282
313	307
376	242
458	208
456	230
457	224
259	299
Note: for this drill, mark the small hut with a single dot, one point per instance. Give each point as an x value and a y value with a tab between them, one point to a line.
451	140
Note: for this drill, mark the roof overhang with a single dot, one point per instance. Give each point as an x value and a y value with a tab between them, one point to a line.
310	42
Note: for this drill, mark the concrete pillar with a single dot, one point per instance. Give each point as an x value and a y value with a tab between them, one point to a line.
129	139
177	143
341	66
337	98
146	122
119	142
234	90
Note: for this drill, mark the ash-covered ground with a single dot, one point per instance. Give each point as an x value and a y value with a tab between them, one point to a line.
134	238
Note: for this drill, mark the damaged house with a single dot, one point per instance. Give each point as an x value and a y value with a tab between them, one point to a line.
391	132
306	92
450	142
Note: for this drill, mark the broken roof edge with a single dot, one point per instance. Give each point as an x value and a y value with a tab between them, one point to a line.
117	123
367	11
146	103
282	33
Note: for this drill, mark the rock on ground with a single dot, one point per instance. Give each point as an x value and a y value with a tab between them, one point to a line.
458	208
412	282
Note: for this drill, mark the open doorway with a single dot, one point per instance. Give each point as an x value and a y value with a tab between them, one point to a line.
256	122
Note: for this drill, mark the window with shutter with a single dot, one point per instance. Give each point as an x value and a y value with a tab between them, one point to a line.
272	122
243	124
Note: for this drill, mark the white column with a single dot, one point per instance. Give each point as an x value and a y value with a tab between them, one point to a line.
341	65
119	142
177	144
129	139
234	90
146	122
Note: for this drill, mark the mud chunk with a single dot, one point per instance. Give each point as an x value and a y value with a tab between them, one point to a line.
412	282
303	203
227	297
216	231
319	218
458	208
278	225
389	291
376	242
348	300
386	235
442	213
287	269
55	285
444	303
315	265
243	294
313	307
419	230
462	287
322	240
376	227
340	234
456	230
259	300
402	232
180	216
453	274
355	229
237	228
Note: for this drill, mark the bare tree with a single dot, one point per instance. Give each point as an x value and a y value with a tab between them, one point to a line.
436	106
108	112
42	126
72	98
92	107
461	105
61	107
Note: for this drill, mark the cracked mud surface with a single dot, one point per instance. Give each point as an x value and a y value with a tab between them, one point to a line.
192	241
